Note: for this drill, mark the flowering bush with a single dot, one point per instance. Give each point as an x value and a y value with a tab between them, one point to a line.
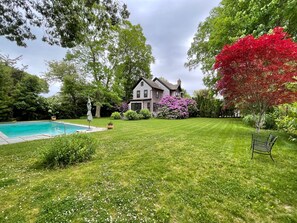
176	108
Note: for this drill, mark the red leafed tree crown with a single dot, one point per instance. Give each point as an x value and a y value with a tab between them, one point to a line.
258	71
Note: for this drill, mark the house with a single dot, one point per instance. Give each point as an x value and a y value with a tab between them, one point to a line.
147	93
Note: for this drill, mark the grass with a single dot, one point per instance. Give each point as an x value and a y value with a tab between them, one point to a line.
194	170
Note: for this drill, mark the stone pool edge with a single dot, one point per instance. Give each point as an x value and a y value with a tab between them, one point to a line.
4	140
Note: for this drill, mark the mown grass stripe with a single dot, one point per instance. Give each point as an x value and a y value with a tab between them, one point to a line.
194	170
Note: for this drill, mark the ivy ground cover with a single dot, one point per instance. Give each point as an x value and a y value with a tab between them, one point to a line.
192	170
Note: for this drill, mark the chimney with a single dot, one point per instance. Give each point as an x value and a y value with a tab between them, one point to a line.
179	82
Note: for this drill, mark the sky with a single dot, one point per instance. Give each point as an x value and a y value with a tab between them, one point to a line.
169	26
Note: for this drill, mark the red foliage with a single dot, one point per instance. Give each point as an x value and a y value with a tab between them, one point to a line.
256	72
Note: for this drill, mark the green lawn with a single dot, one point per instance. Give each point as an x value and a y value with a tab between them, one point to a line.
194	170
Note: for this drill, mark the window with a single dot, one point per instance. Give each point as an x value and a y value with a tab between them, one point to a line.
148	106
136	106
138	94
176	94
141	83
145	93
157	94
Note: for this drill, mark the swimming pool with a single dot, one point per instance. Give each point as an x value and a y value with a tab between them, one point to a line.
20	129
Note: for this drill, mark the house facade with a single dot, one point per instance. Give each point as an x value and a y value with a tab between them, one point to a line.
148	93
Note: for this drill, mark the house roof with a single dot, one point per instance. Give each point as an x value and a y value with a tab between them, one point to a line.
170	86
149	82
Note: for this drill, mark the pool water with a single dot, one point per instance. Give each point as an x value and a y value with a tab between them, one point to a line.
20	129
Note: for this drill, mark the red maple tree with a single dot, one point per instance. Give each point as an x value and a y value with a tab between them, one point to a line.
258	73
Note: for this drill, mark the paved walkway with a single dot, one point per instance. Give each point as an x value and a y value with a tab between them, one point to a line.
5	140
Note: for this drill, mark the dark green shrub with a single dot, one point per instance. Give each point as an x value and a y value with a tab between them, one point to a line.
270	122
193	110
116	115
131	115
146	114
67	150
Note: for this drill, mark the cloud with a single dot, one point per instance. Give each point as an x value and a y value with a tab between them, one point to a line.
34	55
169	27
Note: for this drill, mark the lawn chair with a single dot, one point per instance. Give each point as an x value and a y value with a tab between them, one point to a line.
262	146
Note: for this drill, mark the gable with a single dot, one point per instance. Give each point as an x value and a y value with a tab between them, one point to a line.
151	83
164	87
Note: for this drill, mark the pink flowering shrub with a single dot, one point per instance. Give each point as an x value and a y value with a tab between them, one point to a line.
176	108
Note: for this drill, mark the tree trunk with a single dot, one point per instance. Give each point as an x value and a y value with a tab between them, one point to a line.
259	122
98	111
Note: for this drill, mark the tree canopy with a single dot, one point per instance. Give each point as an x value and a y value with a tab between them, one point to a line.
19	93
232	20
112	61
257	73
66	22
132	57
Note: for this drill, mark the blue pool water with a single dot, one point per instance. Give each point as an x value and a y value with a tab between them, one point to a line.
20	129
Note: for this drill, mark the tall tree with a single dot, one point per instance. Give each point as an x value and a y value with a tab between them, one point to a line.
132	57
113	61
6	84
93	58
66	22
27	101
19	91
258	73
74	90
232	20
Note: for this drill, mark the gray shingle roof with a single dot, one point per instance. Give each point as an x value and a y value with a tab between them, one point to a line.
152	84
167	84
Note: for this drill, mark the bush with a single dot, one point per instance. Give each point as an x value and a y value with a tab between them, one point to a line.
116	115
192	109
140	116
145	113
287	119
267	123
289	125
175	107
270	122
131	115
67	150
249	120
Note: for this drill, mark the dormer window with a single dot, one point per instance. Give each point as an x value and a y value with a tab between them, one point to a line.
141	83
157	94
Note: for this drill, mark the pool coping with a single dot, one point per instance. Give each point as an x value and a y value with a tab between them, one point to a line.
4	140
